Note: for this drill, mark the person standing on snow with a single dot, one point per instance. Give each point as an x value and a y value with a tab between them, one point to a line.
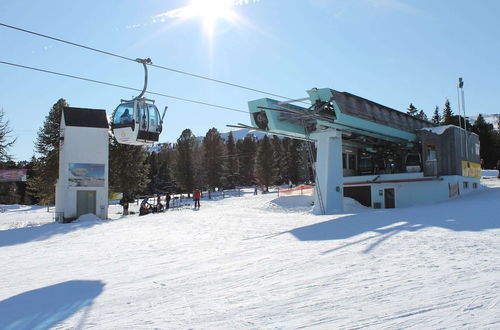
196	198
167	201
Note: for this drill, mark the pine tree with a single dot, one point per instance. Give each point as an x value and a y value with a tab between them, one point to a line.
447	118
436	117
295	164
421	115
213	163
128	169
154	171
166	182
412	110
246	150
264	163
279	165
5	141
41	185
485	132
232	165
185	165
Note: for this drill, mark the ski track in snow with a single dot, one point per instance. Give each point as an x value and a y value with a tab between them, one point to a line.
256	262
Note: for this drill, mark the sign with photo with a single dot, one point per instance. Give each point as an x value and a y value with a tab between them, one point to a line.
13	175
86	175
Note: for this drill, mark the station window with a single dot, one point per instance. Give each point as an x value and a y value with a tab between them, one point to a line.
352	161
431	152
466	184
474	185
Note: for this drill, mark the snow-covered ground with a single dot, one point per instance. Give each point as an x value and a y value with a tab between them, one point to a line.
256	262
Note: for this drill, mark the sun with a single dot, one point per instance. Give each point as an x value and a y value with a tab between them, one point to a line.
208	11
213	11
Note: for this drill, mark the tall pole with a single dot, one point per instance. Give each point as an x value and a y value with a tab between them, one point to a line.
461	86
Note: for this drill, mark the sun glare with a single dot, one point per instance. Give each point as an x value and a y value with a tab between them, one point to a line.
208	11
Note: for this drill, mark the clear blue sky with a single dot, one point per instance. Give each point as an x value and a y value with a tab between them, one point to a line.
389	51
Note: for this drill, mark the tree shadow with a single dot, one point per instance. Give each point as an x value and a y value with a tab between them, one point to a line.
39	233
45	307
473	212
20	208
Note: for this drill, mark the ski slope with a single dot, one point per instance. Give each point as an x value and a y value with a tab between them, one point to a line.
256	262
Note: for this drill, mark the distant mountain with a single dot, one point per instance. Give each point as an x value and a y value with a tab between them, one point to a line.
489	118
241	133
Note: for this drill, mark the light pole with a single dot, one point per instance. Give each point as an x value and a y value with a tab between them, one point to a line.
461	86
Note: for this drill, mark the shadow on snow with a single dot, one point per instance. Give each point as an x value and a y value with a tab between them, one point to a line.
45	307
39	233
474	212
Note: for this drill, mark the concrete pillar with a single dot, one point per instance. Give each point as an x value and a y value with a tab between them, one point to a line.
329	171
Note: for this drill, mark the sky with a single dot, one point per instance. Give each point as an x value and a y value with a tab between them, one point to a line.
393	52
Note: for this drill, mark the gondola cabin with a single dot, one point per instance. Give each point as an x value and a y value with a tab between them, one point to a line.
137	122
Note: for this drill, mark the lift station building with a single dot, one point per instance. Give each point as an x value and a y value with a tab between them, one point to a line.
379	156
82	185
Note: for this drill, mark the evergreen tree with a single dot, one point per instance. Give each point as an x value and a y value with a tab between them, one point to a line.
246	157
297	165
213	162
264	163
166	182
447	118
9	193
128	169
279	165
232	165
436	117
486	138
41	184
185	165
154	173
5	141
412	110
421	115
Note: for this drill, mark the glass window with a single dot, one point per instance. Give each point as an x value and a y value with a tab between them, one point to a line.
344	162
142	116
352	161
466	185
154	121
124	113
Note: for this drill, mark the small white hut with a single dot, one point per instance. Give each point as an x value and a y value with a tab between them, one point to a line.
82	186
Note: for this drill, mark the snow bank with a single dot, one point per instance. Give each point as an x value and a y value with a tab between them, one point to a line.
436	130
257	262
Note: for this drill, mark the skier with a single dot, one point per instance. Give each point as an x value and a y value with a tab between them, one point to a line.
196	198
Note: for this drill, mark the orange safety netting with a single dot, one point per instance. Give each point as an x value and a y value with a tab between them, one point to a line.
297	191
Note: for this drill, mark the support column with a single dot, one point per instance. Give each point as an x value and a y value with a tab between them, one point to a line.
329	172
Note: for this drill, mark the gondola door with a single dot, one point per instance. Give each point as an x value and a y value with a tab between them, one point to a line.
142	120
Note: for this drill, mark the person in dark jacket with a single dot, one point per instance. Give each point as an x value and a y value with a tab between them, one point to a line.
145	207
167	201
196	198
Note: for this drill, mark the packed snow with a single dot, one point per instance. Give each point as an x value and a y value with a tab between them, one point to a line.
258	262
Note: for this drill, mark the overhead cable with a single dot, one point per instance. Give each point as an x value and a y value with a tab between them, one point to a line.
122	86
154	65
